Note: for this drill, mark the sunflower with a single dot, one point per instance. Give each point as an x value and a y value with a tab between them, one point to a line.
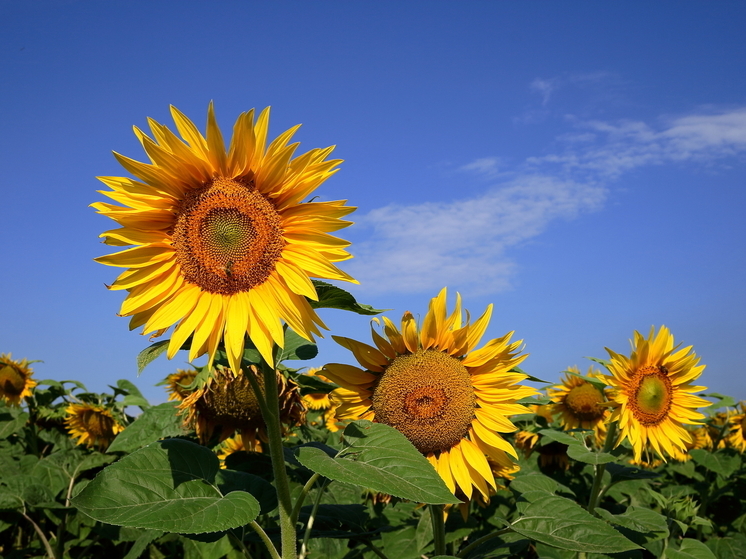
580	404
737	434
15	380
223	245
317	401
653	391
228	403
718	428
447	399
178	384
235	444
526	441
92	425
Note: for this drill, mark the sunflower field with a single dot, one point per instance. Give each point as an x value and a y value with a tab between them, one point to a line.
428	442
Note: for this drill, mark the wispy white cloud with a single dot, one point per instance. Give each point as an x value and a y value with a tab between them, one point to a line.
466	243
544	87
426	246
605	150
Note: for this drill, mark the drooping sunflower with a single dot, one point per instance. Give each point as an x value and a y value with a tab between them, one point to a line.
737	434
178	384
92	425
718	427
450	400
654	395
223	244
580	404
15	380
228	403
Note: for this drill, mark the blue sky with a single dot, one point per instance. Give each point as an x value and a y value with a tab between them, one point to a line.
580	165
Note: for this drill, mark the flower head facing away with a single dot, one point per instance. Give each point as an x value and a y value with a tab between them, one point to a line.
448	398
223	244
15	380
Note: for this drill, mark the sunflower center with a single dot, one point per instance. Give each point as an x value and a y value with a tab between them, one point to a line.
97	424
12	382
651	399
227	236
428	397
584	402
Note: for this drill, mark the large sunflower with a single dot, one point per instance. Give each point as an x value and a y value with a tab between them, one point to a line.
448	400
15	380
92	425
580	404
654	394
224	245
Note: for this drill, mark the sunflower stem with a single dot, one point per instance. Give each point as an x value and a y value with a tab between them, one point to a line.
439	528
601	469
311	518
302	497
271	414
475	544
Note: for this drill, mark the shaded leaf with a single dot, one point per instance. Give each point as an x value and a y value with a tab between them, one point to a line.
690	549
297	347
732	546
718	462
619	472
11	422
168	485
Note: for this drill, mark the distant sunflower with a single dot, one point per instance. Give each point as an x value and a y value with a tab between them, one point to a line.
525	441
234	444
224	245
718	428
654	394
228	403
178	384
580	404
92	425
317	401
737	435
449	400
15	380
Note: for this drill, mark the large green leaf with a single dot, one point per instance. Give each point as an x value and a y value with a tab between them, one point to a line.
576	449
169	485
564	524
382	459
690	549
156	422
333	297
133	395
718	462
732	546
641	525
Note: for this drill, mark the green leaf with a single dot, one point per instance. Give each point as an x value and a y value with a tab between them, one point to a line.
562	523
721	402
157	422
619	472
141	543
169	485
641	525
333	297
582	454
530	377
263	491
149	354
297	347
310	384
602	362
690	549
134	397
718	462
382	459
530	400
732	546
11	422
534	482
597	383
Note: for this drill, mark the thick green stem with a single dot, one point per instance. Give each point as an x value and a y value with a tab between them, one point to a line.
601	469
439	528
265	538
276	452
